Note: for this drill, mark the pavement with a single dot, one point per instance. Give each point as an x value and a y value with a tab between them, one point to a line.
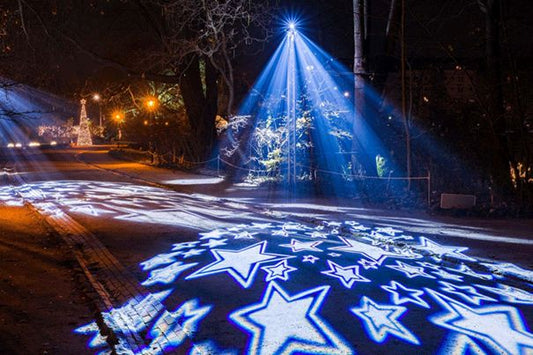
184	263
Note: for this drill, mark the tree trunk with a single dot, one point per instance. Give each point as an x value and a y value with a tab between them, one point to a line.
201	107
502	156
405	116
361	155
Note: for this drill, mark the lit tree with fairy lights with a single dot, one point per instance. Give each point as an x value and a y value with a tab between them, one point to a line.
84	134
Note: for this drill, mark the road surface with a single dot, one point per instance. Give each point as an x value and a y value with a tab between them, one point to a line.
181	263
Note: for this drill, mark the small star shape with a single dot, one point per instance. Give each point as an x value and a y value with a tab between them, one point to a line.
309	259
213	243
297	246
347	275
409	270
278	271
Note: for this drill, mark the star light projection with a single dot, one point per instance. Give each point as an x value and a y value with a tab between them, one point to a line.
363	288
267	297
298	127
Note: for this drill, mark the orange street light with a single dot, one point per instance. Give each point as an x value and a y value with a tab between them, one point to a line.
118	116
151	103
96	97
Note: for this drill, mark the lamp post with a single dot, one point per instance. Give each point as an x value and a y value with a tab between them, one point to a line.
118	117
97	98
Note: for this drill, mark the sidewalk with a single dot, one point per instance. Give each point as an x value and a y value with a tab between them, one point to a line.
40	299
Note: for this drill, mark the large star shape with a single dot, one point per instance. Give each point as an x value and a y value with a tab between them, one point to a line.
167	274
467	293
381	320
500	327
409	270
371	252
347	275
172	328
297	246
286	324
441	250
279	271
401	294
510	294
241	264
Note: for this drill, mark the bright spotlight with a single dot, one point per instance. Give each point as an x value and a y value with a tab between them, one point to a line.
292	26
346	94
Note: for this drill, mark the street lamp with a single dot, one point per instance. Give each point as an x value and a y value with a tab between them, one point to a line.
97	98
118	117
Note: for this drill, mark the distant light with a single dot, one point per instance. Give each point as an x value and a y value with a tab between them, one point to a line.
346	94
151	103
145	122
34	144
96	97
390	117
458	67
18	145
53	143
309	67
425	98
11	145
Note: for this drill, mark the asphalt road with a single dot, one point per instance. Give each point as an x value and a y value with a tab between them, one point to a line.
198	269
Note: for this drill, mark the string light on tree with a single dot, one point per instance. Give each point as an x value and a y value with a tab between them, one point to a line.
84	134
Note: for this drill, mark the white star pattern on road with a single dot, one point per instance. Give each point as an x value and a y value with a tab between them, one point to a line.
447	275
241	264
499	327
184	245
172	328
409	270
372	252
158	260
167	274
367	264
286	324
508	268
213	243
464	269
215	234
309	259
297	246
279	271
191	252
467	293
441	250
510	294
382	320
347	275
401	294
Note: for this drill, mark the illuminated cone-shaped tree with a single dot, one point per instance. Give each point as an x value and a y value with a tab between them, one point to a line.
84	134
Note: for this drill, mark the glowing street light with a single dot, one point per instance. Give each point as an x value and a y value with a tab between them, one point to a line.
97	98
118	117
151	103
